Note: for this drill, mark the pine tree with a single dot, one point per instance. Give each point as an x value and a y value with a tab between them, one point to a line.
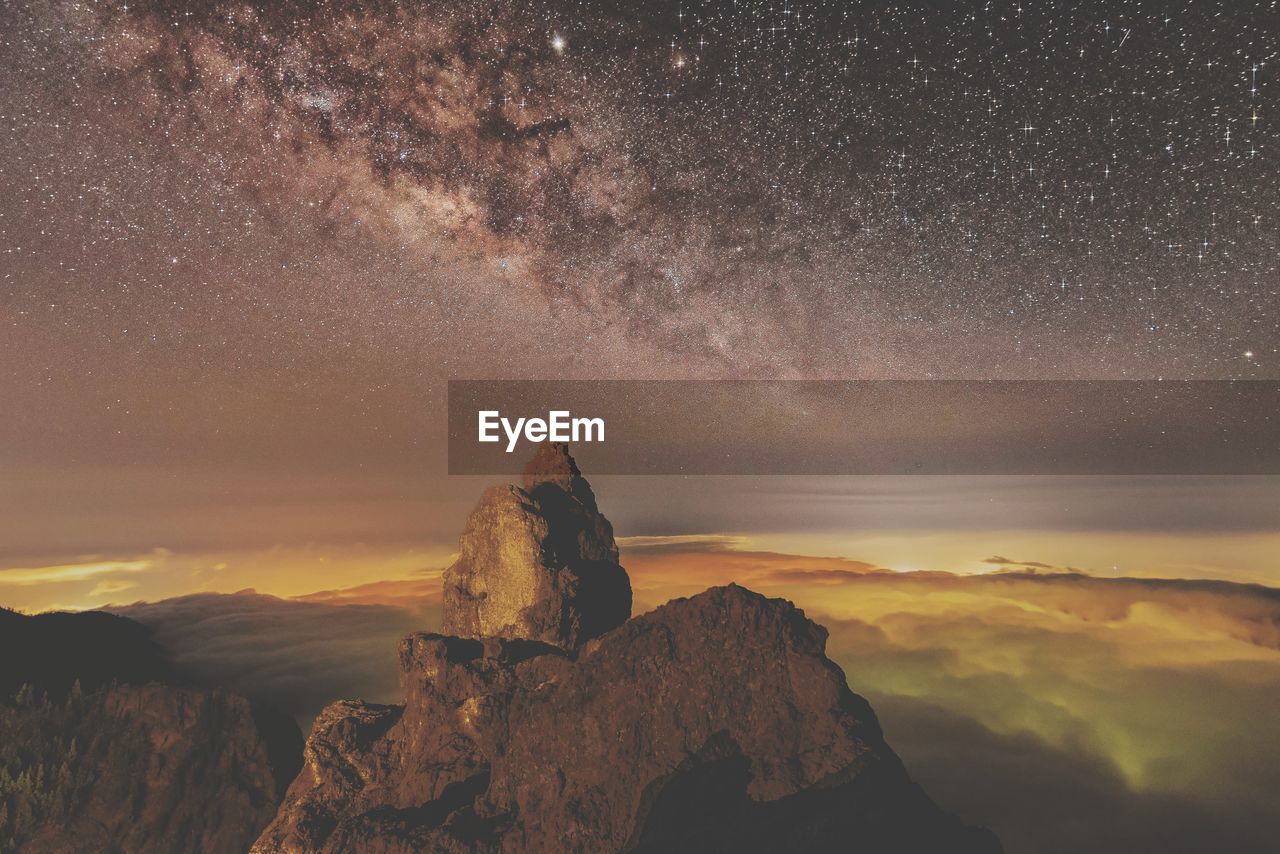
23	820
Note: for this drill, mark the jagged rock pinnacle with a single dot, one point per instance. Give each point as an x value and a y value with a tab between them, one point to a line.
538	562
714	723
551	463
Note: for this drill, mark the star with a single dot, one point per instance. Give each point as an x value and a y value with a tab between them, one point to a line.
855	157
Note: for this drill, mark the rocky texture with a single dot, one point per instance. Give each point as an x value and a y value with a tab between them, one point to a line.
538	562
712	723
95	756
548	721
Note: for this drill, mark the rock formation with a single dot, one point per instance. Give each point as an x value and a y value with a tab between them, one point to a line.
714	723
538	563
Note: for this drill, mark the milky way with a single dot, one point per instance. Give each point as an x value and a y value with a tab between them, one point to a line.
730	188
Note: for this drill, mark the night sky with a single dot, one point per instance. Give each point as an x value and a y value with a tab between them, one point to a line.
243	246
404	190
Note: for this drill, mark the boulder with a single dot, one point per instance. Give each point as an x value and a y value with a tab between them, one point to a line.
538	562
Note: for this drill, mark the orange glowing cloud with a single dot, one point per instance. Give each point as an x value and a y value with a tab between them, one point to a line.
1159	693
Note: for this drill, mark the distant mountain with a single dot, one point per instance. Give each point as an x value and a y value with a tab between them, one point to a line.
54	650
103	752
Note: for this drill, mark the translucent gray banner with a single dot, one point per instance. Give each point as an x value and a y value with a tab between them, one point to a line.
871	427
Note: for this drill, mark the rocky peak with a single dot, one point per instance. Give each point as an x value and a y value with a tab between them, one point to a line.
713	723
538	562
551	463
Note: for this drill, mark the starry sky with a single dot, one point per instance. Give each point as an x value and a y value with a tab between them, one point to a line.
729	188
245	244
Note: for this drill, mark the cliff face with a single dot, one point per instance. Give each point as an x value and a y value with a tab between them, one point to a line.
90	762
711	723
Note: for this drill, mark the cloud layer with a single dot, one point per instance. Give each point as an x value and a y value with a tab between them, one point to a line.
1068	712
298	656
